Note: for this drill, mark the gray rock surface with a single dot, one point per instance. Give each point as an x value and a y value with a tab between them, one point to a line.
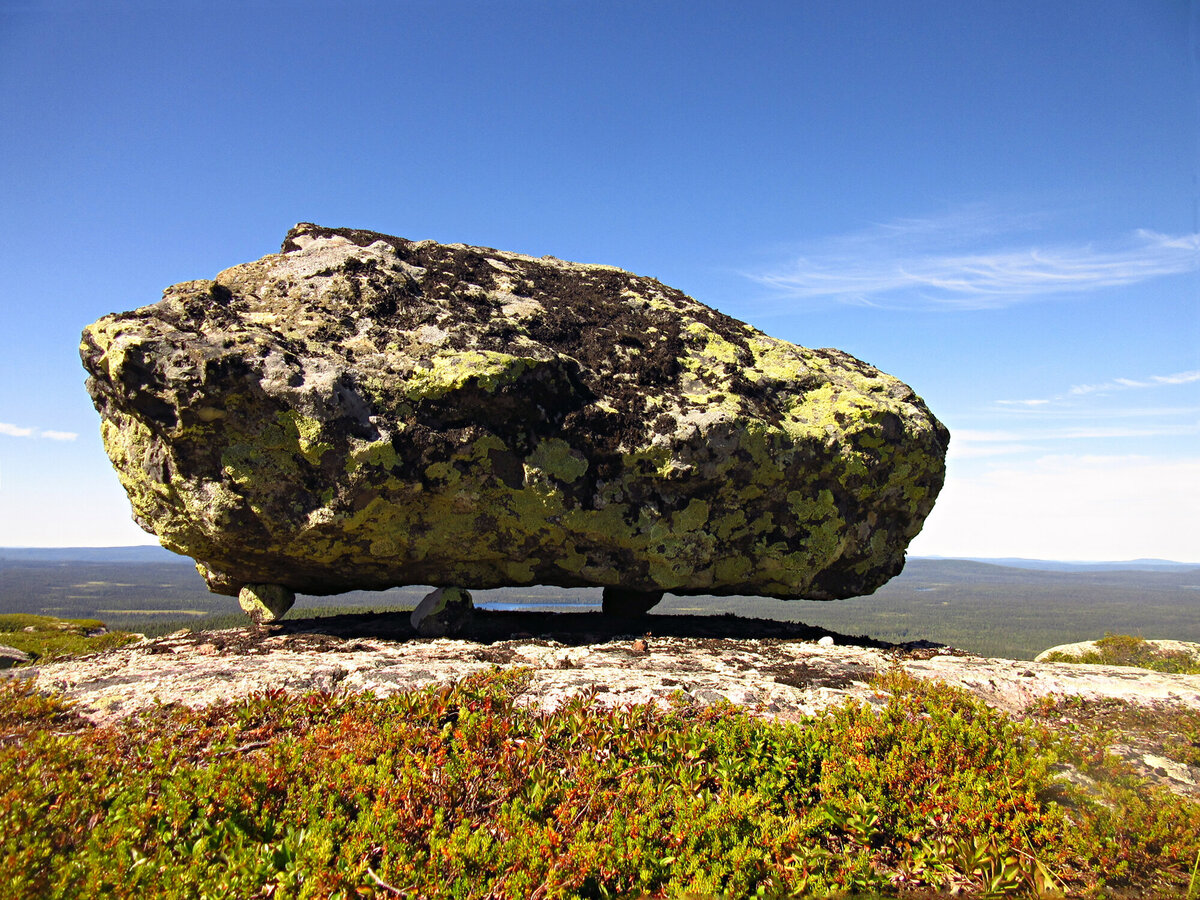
774	678
361	411
11	656
777	678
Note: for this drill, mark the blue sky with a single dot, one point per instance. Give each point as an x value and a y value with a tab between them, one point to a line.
996	202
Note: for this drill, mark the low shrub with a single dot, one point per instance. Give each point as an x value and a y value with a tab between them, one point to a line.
462	792
47	638
1132	650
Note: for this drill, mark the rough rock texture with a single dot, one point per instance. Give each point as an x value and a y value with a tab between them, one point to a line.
362	411
780	678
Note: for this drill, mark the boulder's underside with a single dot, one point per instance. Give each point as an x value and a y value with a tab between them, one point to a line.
361	411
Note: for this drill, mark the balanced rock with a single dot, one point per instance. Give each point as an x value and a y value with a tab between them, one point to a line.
361	411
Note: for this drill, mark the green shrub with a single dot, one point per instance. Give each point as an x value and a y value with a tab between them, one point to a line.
461	792
47	638
1131	650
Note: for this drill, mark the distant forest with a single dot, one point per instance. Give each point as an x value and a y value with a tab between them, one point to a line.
1009	610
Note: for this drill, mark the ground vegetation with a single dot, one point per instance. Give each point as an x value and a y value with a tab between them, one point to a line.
462	792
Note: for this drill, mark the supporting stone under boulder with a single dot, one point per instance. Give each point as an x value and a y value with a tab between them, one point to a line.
621	602
265	603
443	612
361	411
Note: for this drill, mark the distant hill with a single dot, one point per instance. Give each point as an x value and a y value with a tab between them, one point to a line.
1053	565
150	553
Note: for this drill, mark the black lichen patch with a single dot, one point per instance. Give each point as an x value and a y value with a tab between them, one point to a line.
802	675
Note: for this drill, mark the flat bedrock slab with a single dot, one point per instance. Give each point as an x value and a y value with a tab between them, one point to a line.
777	678
362	411
772	678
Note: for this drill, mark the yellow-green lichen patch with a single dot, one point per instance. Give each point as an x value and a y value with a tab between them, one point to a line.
812	509
730	525
693	517
556	458
444	472
447	372
713	346
732	570
373	453
520	571
307	434
131	446
777	360
257	462
599	527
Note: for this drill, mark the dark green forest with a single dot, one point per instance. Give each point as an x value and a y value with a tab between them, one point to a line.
985	608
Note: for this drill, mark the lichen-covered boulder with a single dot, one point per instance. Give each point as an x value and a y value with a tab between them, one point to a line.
361	411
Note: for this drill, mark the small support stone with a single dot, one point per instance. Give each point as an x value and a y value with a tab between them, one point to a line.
443	612
628	603
11	656
265	603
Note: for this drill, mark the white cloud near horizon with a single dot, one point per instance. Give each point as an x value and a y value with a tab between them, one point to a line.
921	263
22	431
1077	507
1106	387
1121	384
970	444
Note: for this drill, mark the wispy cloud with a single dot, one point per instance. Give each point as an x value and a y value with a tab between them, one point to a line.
1080	433
1120	384
1056	412
968	260
22	431
972	444
1107	387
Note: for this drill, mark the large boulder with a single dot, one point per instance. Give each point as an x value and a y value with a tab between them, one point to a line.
361	411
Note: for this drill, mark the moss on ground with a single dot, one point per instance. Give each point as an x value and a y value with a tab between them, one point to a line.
47	637
462	792
1132	650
